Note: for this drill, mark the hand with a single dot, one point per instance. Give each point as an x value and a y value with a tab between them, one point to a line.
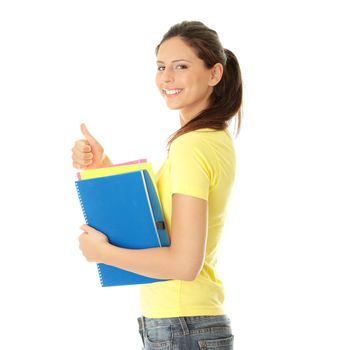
92	243
89	153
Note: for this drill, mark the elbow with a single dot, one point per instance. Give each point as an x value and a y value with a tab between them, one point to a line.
190	277
190	274
187	267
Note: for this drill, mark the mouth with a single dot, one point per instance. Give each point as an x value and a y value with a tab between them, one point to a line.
171	92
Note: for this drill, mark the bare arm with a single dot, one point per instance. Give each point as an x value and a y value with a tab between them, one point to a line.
183	259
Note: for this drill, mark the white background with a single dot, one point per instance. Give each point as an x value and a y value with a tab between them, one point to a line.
284	256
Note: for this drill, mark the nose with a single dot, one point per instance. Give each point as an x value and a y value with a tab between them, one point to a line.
168	75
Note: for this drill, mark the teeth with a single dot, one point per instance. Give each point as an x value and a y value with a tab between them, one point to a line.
171	92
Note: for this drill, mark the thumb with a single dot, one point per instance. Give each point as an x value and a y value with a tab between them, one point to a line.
87	228
87	134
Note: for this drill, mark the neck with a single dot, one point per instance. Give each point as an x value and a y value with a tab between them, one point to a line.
183	120
186	116
193	110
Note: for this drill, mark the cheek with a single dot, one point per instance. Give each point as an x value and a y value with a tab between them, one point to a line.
157	81
198	82
198	88
159	84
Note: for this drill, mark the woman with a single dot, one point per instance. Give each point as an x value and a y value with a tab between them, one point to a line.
202	80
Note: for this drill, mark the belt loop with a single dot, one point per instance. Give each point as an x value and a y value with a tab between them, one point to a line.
143	321
184	326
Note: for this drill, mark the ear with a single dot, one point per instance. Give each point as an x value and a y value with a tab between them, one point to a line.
215	74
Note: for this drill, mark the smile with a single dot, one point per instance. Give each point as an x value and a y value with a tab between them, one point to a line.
172	91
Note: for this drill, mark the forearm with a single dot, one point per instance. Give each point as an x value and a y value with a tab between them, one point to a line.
159	263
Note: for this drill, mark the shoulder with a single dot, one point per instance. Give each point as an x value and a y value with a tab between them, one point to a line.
190	137
196	151
204	140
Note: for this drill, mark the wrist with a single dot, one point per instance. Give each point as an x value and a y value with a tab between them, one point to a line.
105	161
105	253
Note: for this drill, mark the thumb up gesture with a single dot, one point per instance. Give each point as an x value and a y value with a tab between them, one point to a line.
88	153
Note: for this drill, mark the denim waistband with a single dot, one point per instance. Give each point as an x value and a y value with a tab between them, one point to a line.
185	323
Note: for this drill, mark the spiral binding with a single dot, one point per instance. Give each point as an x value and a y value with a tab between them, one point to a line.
87	222
81	203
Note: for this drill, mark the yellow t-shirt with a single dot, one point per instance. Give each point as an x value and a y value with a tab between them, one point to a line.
200	163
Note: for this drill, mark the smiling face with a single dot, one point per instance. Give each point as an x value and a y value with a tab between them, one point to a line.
183	79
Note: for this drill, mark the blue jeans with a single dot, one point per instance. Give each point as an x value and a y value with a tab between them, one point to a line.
186	333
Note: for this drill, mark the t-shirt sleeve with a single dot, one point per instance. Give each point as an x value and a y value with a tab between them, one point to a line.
190	169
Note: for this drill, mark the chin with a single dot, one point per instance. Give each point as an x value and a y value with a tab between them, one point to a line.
175	106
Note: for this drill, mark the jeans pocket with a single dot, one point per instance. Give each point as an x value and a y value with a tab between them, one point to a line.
158	337
220	343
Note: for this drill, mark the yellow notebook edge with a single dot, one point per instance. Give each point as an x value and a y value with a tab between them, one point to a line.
120	169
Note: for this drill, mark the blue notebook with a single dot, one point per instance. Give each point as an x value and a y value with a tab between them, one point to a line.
126	208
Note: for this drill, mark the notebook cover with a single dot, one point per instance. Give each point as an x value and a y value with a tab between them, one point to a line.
135	165
120	207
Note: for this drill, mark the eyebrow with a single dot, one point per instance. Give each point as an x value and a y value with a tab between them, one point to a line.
175	61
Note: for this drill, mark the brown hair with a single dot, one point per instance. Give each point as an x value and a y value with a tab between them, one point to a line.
226	99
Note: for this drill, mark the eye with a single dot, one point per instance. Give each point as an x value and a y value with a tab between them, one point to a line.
160	68
181	66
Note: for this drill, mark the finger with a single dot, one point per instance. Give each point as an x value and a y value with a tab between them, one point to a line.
86	228
80	166
82	146
77	166
82	162
81	236
87	134
82	155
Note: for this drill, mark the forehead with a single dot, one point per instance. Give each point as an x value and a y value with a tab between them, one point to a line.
175	48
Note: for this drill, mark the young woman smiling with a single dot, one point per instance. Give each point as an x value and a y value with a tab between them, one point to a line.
202	80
